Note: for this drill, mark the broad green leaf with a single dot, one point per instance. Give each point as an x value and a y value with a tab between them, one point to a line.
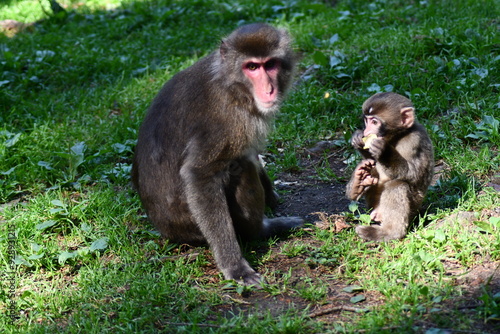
35	247
334	61
44	164
79	148
12	141
320	58
439	235
99	244
334	39
85	227
353	206
374	88
45	225
59	203
357	299
8	172
437	299
64	256
19	259
36	256
483	226
352	288
495	221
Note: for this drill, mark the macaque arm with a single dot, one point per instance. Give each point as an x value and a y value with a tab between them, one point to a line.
206	198
207	202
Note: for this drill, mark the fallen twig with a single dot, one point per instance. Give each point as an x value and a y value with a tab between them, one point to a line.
190	257
179	324
337	309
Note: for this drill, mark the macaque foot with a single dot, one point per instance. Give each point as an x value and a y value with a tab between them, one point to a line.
375	216
377	233
370	233
244	276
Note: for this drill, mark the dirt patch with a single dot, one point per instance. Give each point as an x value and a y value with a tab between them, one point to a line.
304	195
308	198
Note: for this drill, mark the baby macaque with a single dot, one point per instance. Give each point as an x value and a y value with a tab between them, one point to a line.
397	168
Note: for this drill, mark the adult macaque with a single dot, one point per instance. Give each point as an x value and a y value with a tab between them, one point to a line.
397	168
196	165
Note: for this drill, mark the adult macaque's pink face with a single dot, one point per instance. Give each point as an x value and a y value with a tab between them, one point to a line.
263	74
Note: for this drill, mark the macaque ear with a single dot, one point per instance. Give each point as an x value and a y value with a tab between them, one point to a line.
407	117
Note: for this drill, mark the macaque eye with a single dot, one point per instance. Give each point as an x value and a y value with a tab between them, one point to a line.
252	66
271	64
371	121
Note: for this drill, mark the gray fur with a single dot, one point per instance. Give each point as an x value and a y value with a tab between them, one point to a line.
195	165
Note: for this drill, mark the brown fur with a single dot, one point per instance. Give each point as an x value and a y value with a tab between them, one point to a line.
195	166
397	169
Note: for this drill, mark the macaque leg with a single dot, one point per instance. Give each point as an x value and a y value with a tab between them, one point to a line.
246	201
271	196
247	198
393	212
275	226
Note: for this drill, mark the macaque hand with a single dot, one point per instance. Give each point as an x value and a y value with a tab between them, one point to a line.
377	147
363	177
364	171
357	140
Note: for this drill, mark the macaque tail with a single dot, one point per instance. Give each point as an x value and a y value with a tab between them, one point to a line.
276	226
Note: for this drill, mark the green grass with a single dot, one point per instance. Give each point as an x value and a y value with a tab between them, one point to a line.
74	90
